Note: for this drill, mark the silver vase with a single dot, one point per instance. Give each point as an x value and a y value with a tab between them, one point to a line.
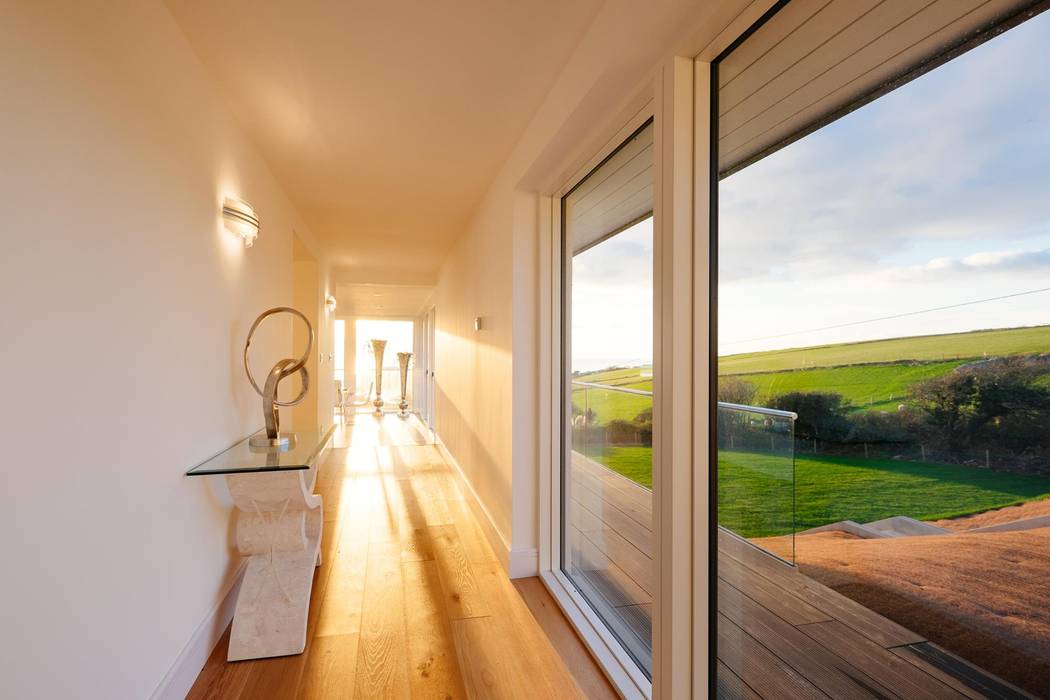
378	346
403	358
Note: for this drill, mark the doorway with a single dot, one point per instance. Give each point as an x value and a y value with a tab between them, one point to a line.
386	384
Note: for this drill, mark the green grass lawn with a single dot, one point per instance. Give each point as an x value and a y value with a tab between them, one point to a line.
636	463
977	344
867	387
755	492
610	405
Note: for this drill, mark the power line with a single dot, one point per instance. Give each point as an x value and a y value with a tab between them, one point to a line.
887	318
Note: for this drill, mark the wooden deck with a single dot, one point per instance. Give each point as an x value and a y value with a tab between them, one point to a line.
780	633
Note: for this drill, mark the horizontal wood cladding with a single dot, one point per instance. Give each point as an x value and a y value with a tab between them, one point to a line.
618	193
815	59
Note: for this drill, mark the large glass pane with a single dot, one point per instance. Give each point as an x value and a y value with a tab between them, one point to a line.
883	251
608	404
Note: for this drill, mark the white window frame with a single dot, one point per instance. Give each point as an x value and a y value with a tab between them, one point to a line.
683	624
678	643
614	660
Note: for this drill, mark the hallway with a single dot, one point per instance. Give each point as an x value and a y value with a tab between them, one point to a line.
410	600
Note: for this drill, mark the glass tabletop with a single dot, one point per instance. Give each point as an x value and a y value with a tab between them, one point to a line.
244	458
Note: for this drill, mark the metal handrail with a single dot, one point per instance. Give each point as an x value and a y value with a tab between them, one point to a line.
759	409
721	404
621	389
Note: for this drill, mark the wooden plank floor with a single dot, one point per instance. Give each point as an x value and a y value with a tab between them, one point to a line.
410	600
780	633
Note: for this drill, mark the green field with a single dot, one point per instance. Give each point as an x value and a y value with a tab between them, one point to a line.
879	387
618	377
977	344
610	405
755	494
870	375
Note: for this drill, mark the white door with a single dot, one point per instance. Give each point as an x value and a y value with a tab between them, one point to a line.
429	370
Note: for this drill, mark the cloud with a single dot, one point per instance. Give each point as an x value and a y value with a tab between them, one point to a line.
950	161
982	263
623	261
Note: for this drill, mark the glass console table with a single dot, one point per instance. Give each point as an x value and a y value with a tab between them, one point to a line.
243	458
279	521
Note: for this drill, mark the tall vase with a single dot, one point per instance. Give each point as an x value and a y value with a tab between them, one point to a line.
403	358
378	346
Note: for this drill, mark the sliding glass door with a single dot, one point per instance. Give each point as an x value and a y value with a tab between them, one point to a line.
881	443
607	401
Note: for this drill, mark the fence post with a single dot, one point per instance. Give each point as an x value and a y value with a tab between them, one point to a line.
814	446
987	460
923	448
865	450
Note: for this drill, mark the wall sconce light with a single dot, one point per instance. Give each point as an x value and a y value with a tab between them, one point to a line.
329	302
477	323
240	219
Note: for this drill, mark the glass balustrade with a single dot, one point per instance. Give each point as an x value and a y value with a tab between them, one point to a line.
756	476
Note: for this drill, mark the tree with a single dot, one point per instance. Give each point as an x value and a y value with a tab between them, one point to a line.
736	390
1002	402
821	415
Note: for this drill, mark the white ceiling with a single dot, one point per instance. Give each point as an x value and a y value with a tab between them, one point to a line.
385	121
382	300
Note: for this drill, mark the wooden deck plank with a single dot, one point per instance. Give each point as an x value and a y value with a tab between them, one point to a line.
635	500
730	686
634	563
772	600
759	668
867	622
768	594
967	679
827	671
617	586
894	673
634	532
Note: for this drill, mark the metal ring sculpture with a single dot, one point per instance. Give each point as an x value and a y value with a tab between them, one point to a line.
284	368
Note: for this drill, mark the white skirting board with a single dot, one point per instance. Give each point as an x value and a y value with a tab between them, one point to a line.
518	563
183	673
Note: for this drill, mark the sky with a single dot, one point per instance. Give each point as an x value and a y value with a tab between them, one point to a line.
398	337
935	194
612	301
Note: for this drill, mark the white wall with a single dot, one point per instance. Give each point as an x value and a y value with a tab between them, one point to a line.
473	369
125	310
